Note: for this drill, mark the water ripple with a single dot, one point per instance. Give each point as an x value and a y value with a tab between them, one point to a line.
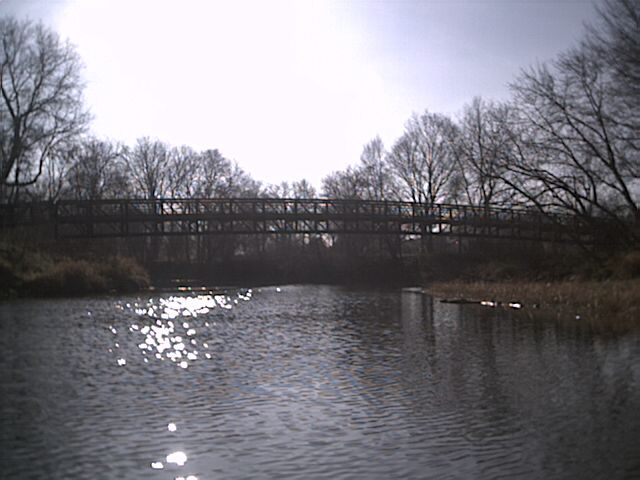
308	382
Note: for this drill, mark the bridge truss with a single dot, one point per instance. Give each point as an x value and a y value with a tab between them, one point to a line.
238	216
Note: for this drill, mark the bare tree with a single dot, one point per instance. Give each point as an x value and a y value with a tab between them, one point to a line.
371	179
40	99
375	171
97	170
218	177
53	181
574	151
302	189
478	144
148	168
182	167
348	184
422	158
615	39
280	190
212	168
238	183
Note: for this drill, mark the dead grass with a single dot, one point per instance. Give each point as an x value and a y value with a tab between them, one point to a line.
124	274
80	277
26	271
601	303
72	277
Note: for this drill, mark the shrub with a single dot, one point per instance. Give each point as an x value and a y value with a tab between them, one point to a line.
74	277
80	277
124	274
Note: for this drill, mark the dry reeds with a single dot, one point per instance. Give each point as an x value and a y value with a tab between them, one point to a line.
79	277
31	272
599	302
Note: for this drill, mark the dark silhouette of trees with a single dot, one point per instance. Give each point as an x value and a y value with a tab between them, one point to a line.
97	170
575	142
375	172
182	164
371	179
237	183
53	183
212	171
40	101
423	160
348	184
478	143
148	168
302	189
615	40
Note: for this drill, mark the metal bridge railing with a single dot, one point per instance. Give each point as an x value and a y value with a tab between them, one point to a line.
166	216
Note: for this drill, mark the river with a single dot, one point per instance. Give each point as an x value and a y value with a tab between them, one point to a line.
310	382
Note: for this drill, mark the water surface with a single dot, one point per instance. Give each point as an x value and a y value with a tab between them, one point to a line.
310	382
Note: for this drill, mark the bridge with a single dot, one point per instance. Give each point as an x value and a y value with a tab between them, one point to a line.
239	216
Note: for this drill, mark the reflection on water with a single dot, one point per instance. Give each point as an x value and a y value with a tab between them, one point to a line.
163	328
310	382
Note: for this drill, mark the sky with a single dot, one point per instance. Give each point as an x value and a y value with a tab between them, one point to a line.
293	89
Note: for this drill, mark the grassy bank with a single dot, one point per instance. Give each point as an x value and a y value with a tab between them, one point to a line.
28	272
607	296
601	303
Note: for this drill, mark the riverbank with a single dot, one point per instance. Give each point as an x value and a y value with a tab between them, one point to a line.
606	295
609	304
25	272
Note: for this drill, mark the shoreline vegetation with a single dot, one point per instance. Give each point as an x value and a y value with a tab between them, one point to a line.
606	294
609	303
37	274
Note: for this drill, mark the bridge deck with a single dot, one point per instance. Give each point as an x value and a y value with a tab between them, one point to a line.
131	217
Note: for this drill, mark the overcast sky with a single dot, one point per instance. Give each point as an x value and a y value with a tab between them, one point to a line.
295	88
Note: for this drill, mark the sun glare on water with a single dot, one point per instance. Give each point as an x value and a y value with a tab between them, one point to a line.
167	328
170	328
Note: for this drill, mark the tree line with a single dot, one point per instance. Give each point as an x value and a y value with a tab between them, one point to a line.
567	141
